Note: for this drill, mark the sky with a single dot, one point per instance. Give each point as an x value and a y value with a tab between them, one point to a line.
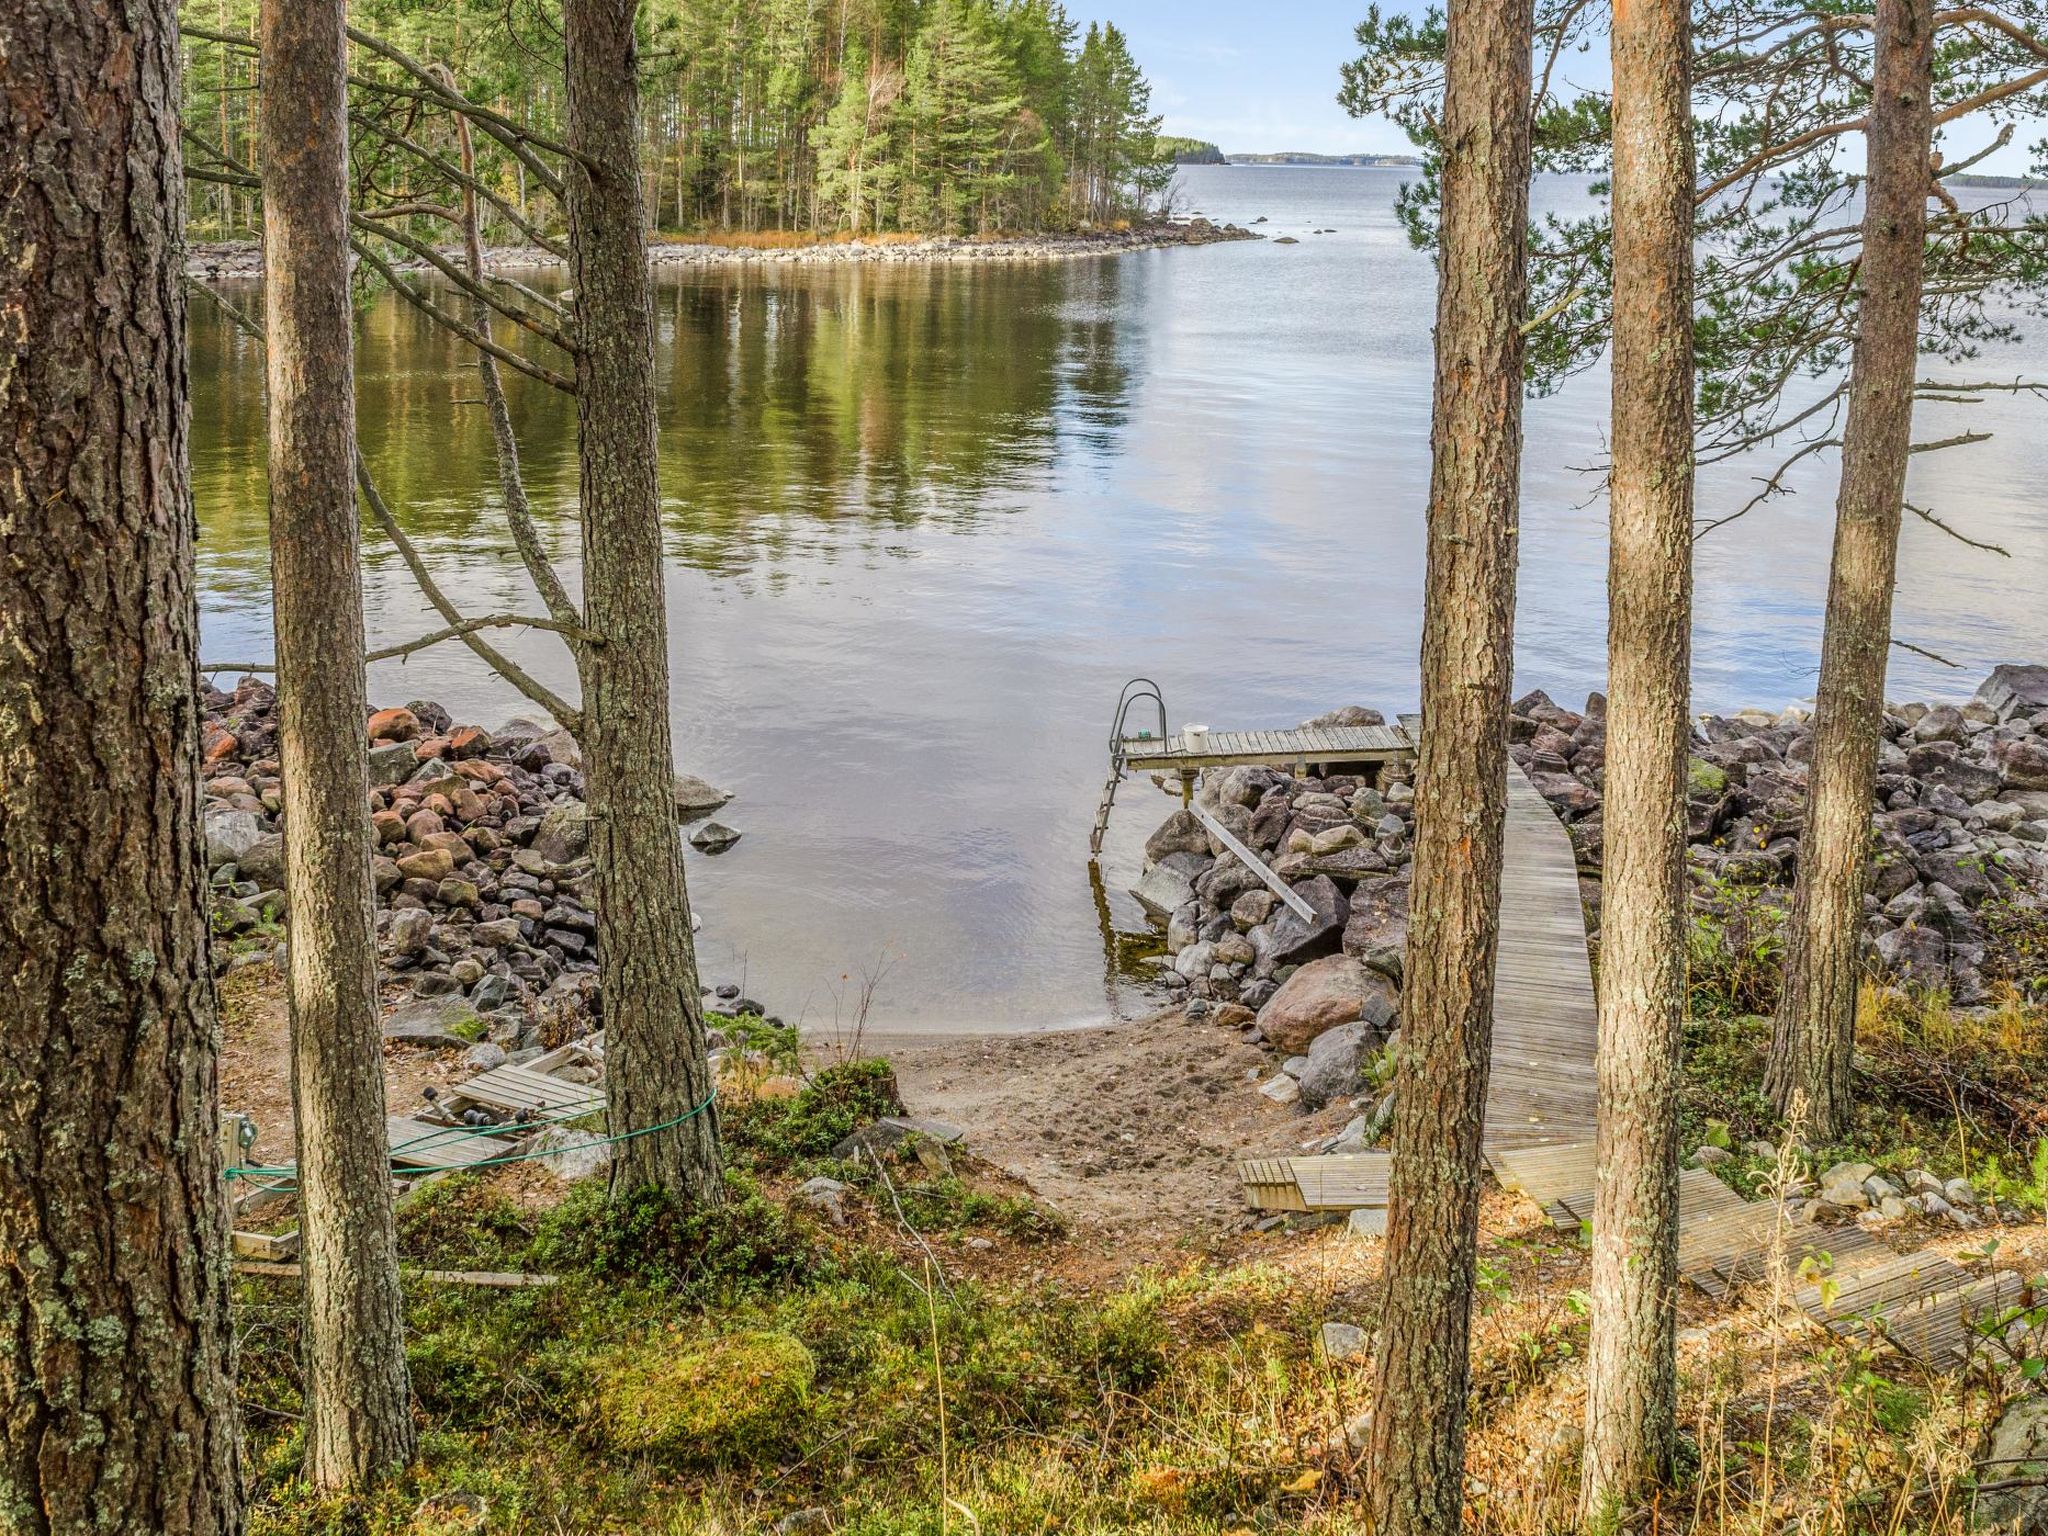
1256	79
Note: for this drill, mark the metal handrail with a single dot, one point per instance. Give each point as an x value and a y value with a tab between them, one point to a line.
1146	689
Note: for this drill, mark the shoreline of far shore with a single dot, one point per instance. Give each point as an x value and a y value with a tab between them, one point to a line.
244	258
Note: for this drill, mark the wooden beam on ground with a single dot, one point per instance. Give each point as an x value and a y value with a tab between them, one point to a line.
1296	903
494	1280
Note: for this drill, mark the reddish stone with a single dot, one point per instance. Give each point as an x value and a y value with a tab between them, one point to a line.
421	825
220	744
468	804
394	725
468	741
390	826
431	747
440	805
479	772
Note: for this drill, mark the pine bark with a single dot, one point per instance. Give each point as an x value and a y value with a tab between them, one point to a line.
117	1410
656	1062
1631	1375
358	1400
1421	1366
1816	1022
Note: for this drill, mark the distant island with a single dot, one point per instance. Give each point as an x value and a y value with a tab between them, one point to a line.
1189	151
1300	157
2015	183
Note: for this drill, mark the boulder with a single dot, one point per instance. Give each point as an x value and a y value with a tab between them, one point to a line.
262	862
694	797
2023	764
1334	1059
394	725
1376	931
2014	689
571	1155
435	864
714	837
1320	996
1290	938
558	746
1179	833
410	930
445	1023
563	835
2017	1461
1170	884
1349	715
230	834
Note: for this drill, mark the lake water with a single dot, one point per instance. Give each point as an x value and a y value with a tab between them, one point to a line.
924	522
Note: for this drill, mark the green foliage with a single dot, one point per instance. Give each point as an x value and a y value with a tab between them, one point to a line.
946	1204
1777	99
777	1134
1735	946
746	1244
760	115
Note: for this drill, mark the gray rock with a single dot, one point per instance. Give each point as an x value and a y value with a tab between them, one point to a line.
392	763
1293	939
696	798
1368	1221
1331	1068
410	930
1345	1341
571	1155
432	1021
1712	1157
1281	1089
1170	884
1960	1193
263	862
483	1057
713	837
2015	689
2018	1456
1179	833
229	835
490	992
827	1196
563	835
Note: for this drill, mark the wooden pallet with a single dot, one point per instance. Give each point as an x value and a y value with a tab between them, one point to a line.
1346	1182
416	1144
508	1090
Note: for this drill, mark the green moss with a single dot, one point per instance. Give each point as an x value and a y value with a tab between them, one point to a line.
740	1398
1704	781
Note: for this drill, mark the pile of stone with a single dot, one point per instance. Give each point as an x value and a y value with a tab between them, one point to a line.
1962	820
482	869
1863	1193
1241	956
1961	814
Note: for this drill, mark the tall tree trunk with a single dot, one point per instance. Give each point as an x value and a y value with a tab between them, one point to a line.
117	1410
1418	1431
656	1066
358	1401
1816	1023
1631	1401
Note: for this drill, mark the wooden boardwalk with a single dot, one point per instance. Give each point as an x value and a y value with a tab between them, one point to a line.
1542	1118
1540	1091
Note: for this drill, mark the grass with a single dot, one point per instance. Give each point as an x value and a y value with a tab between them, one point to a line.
717	1373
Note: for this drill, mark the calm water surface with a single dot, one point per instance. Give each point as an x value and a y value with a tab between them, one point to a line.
923	523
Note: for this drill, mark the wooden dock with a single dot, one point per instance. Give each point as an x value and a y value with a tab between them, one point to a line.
1189	750
1542	1118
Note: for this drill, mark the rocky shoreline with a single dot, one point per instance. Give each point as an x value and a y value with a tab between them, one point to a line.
487	942
1961	843
244	258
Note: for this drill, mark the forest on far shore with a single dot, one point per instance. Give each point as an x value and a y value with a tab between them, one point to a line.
869	116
